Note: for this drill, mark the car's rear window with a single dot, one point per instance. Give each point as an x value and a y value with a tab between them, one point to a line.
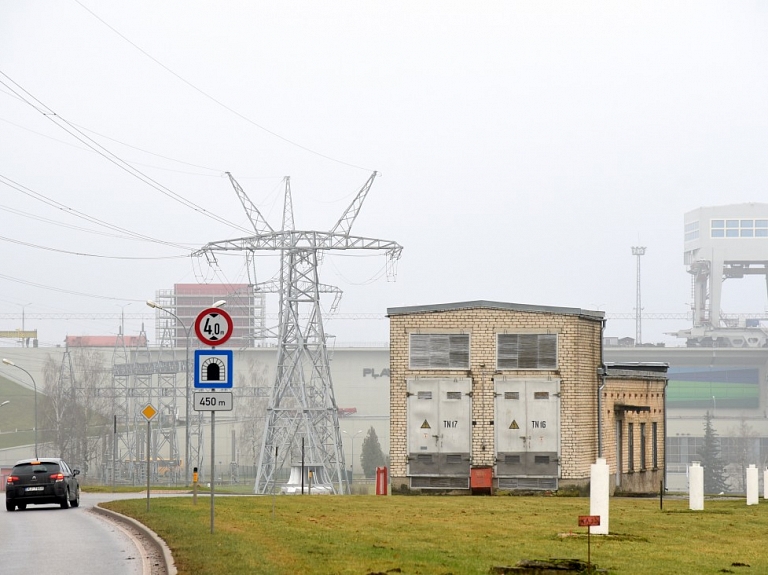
33	468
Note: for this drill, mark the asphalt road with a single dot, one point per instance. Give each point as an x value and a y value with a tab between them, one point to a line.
48	539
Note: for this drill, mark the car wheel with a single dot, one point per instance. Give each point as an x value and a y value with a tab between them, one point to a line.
65	501
22	506
9	506
76	501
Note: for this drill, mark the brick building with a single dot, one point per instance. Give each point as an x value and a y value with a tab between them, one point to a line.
507	393
245	306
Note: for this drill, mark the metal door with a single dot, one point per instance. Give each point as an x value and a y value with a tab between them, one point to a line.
527	427
439	426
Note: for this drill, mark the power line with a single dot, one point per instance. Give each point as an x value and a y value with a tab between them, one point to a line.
62	290
79	135
84	254
71	211
218	102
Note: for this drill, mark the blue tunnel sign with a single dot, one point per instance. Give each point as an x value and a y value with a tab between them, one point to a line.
213	368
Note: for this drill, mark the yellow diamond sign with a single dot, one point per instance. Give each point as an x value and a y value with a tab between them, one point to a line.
149	412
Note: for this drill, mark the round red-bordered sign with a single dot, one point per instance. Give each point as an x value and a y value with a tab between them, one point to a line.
213	326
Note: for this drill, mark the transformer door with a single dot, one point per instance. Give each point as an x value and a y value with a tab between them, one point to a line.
527	427
439	426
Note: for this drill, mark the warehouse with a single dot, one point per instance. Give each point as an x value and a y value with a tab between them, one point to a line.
488	395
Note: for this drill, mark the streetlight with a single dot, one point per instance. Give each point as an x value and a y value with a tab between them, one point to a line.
187	330
9	362
6	402
714	406
352	465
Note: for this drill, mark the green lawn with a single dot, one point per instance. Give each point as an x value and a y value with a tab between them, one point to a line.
18	414
441	535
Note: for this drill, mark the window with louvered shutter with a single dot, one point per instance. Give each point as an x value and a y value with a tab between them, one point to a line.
439	351
526	351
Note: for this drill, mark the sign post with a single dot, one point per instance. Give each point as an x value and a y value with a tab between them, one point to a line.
149	412
213	461
588	521
213	370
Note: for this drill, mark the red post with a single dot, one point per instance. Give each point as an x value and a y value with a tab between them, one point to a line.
381	481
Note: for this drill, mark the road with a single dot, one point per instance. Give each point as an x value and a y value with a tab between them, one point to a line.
46	538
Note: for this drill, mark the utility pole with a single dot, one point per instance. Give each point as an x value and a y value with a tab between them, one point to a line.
638	251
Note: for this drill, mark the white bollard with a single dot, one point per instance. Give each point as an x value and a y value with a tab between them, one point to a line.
599	495
696	487
765	484
752	489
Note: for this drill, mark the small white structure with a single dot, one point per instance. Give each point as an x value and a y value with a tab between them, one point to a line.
599	495
696	487
315	481
765	484
752	486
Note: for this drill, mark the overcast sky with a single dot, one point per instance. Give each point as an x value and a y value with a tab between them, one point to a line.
523	148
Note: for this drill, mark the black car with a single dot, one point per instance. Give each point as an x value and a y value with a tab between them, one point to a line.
44	480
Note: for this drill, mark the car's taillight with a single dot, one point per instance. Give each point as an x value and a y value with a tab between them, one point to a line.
57	477
11	479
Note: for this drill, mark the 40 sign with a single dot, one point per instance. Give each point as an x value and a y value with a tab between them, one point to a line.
213	326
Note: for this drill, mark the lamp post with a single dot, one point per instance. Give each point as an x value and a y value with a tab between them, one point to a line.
352	465
153	305
34	384
187	330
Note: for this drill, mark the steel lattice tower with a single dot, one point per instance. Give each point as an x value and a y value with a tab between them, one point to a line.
302	407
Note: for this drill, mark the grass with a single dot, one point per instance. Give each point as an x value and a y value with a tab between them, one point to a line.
17	415
441	535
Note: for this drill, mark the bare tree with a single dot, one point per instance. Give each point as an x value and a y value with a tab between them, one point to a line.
54	406
72	407
90	406
254	408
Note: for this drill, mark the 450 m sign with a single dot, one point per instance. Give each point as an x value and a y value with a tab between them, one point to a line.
213	401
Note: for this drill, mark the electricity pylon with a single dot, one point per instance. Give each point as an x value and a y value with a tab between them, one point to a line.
302	412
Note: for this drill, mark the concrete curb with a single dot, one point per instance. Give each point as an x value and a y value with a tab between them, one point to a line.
154	538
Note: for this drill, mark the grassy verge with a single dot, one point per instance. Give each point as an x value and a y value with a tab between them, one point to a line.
88	488
441	535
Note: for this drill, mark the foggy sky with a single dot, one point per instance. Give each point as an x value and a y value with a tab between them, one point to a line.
523	148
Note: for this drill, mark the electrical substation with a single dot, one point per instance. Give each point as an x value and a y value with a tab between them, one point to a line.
292	386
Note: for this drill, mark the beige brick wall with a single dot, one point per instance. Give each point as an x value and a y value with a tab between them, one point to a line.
634	391
578	362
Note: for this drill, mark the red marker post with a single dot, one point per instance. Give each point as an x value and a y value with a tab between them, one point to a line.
588	521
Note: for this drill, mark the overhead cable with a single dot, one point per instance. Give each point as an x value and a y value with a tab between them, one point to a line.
218	102
84	254
71	211
62	290
79	135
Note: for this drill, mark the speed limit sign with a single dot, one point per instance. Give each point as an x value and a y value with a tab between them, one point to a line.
213	326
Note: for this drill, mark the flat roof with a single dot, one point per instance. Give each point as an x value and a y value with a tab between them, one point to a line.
485	304
637	366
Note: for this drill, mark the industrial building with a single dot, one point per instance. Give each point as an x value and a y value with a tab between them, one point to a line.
245	306
720	368
725	243
489	395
